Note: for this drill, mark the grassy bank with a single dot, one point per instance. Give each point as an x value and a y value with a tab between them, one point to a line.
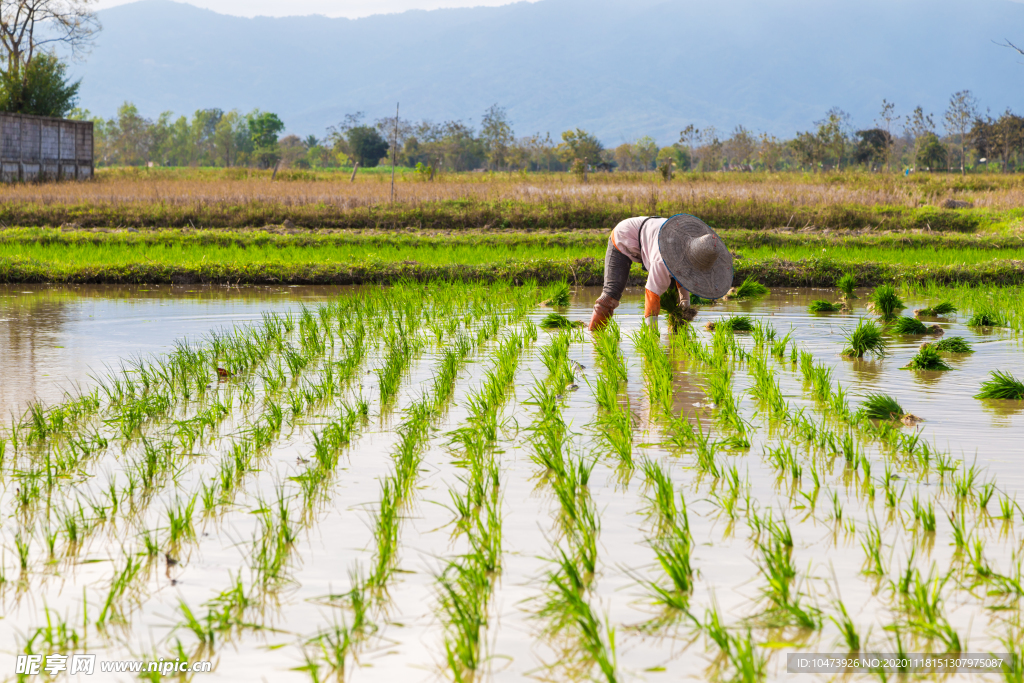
580	271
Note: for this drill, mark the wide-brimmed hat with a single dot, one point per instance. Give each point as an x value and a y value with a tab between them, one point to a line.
696	256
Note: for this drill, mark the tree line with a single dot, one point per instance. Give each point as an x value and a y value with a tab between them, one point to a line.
963	139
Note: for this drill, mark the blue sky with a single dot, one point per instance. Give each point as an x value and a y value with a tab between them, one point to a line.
330	8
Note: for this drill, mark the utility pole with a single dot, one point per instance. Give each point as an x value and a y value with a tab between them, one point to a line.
394	150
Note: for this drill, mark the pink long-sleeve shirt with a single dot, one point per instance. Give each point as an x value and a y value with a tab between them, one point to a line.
642	247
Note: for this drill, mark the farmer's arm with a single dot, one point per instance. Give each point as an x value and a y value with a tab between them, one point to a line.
659	280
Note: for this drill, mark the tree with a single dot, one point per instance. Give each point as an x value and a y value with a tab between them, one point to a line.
740	148
872	147
833	134
931	153
1007	137
366	145
129	136
40	87
709	150
264	128
293	152
230	138
807	149
963	110
645	150
31	27
689	136
917	125
579	145
496	134
625	156
770	151
886	118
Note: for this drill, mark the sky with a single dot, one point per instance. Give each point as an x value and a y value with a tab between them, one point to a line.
331	8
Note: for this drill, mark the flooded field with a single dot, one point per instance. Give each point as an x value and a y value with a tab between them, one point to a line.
421	484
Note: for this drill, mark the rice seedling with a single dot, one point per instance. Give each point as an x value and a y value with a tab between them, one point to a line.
1007	506
846	284
846	627
677	315
866	338
881	407
557	321
559	295
736	323
822	306
673	553
953	345
886	302
597	640
748	289
907	325
936	311
700	301
985	319
927	358
872	547
1001	386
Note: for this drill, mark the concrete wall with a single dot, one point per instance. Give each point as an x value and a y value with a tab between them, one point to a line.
38	148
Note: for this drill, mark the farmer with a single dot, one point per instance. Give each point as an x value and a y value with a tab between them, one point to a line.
680	250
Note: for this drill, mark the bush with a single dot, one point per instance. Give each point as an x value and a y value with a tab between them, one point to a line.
40	87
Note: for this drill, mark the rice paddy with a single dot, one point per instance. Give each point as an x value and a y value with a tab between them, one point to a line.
426	482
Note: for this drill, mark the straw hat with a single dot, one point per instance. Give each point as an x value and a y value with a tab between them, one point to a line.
696	256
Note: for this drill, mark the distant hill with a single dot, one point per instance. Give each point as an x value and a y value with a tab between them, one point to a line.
619	68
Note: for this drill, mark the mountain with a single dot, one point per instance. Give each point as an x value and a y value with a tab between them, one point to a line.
619	68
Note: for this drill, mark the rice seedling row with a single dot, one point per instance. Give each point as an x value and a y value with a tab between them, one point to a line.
746	493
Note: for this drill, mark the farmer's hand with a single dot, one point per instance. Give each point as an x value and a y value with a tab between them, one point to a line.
603	310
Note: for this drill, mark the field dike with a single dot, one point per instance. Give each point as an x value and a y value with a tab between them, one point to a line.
816	272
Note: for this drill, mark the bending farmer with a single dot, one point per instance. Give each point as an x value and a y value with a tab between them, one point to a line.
681	250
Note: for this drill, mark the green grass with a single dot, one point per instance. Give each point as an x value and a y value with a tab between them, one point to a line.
822	306
954	345
881	407
1001	385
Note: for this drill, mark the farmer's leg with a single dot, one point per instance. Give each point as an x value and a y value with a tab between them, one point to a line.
616	274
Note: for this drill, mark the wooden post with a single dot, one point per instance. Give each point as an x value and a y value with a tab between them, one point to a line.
394	150
355	168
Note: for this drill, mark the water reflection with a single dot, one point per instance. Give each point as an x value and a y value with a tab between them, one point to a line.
52	338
